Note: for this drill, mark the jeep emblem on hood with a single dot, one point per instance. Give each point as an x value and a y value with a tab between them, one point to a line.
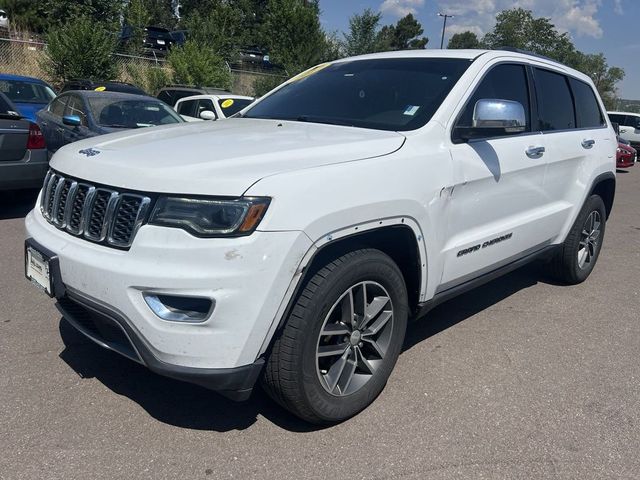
89	152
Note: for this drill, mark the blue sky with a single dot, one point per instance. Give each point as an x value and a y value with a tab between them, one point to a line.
606	26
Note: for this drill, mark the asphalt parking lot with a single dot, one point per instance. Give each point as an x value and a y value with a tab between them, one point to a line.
518	379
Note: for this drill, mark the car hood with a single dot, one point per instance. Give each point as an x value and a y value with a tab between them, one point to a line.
216	158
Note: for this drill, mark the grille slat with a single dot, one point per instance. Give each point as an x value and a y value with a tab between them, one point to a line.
97	214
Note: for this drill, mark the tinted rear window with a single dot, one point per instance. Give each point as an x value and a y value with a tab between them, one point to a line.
231	106
555	103
588	111
384	94
20	91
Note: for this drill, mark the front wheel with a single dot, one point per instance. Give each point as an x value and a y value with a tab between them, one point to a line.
577	256
341	340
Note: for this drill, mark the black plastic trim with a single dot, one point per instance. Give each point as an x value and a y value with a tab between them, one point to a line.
452	292
234	383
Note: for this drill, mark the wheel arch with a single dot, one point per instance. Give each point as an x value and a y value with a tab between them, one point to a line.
604	186
400	238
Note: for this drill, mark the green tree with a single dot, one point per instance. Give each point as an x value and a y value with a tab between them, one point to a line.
161	13
292	34
404	35
464	40
363	33
604	77
195	64
136	17
518	28
221	29
60	12
82	48
25	14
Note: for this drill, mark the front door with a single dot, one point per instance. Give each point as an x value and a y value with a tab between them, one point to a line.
497	203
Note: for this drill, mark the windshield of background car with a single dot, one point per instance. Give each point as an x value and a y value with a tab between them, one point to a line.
110	112
19	91
385	94
231	106
6	109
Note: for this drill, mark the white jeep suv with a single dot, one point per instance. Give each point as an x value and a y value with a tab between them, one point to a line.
292	243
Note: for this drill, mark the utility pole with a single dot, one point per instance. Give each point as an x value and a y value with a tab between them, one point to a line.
444	26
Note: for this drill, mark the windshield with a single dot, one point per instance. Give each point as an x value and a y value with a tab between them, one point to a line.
26	92
110	112
386	94
231	106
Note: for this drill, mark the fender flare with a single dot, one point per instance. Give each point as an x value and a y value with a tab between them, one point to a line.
331	238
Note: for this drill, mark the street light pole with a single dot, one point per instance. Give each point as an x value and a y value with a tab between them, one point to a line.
444	26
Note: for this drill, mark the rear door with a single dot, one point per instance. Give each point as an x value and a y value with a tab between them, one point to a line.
497	201
574	131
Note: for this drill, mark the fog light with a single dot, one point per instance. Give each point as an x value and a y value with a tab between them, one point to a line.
175	308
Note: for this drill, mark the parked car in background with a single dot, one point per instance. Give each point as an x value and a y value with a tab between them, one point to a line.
254	54
628	125
4	19
211	107
28	94
172	93
76	114
23	156
626	155
109	86
156	40
179	37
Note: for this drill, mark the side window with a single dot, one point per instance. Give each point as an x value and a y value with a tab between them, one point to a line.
555	103
56	107
619	119
75	106
631	121
504	82
188	108
206	104
588	111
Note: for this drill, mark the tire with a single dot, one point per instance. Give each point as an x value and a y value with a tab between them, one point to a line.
308	373
573	263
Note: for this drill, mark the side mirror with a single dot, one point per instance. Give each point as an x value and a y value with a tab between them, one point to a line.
493	118
207	115
71	120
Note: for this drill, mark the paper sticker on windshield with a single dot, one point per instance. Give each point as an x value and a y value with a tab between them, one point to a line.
311	71
227	103
411	110
100	89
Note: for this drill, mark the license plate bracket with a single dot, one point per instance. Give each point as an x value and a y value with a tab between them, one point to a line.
38	269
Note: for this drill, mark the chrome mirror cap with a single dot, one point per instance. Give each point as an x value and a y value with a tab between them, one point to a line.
497	113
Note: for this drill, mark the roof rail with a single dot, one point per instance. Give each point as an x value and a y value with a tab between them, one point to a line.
527	52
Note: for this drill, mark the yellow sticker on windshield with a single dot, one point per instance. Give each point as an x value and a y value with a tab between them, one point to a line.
311	71
100	89
227	103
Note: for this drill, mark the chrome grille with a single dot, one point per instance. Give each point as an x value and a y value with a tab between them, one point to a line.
95	213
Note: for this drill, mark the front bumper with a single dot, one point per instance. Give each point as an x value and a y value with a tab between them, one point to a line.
248	277
106	328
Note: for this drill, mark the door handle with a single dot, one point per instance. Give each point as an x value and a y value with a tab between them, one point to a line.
535	151
588	143
60	130
623	130
44	124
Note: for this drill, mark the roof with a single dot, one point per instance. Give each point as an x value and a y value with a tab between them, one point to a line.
468	54
217	95
108	94
9	76
622	113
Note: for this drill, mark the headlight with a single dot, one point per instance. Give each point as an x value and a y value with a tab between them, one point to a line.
210	217
619	150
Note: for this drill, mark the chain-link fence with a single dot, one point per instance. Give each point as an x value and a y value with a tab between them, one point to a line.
26	57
